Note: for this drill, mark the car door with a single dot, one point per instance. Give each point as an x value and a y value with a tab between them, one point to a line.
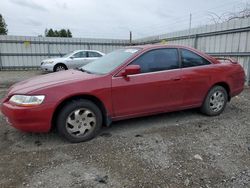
196	74
78	59
157	88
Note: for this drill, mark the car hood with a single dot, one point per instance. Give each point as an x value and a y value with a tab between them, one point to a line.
52	79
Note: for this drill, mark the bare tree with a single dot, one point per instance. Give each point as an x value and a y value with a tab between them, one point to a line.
244	12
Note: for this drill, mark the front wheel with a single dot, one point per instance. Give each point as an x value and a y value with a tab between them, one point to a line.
215	102
59	67
79	120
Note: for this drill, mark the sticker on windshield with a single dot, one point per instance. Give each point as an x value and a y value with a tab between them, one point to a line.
131	50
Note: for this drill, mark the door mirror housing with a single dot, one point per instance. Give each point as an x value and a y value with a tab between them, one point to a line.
130	70
71	57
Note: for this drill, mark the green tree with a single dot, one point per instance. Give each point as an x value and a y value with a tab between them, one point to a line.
49	33
69	34
63	33
58	33
3	26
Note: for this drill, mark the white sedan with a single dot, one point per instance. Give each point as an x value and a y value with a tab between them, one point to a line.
71	60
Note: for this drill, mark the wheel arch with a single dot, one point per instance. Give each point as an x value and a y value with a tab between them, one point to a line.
106	119
225	85
60	63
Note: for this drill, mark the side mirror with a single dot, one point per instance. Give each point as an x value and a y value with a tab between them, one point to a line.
130	70
72	57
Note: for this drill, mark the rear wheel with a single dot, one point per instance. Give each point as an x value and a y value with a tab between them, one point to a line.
215	101
79	120
59	67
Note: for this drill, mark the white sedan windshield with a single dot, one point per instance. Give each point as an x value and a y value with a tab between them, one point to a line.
110	61
68	54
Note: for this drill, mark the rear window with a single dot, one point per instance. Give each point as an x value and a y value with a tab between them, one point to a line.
94	54
191	59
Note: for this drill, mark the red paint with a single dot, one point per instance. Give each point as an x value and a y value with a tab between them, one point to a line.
123	97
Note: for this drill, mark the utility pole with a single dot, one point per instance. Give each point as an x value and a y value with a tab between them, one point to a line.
130	37
190	20
190	24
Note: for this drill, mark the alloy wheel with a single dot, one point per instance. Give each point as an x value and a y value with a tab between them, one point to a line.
217	101
60	68
80	122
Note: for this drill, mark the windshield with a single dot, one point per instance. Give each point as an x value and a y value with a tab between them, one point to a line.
68	54
110	61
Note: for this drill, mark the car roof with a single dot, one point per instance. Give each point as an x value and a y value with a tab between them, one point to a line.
154	46
87	51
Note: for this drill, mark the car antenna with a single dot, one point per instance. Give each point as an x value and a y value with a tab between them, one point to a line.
59	52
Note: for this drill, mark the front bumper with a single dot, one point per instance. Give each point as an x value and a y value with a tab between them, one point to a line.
48	67
29	119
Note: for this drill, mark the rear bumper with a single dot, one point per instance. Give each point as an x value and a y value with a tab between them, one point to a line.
28	119
237	91
238	82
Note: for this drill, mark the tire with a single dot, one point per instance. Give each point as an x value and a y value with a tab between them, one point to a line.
59	67
79	121
215	101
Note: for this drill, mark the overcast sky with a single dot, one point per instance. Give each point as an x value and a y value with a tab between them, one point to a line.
110	18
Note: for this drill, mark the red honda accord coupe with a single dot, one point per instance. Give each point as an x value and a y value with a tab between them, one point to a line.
127	83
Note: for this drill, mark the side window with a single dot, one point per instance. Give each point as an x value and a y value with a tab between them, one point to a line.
94	54
158	60
190	59
82	54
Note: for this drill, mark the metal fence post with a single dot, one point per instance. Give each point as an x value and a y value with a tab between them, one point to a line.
196	41
88	46
48	49
1	64
248	72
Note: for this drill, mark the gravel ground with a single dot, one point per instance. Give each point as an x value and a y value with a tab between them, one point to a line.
180	149
8	78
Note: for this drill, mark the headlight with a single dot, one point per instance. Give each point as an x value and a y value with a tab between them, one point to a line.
47	62
24	100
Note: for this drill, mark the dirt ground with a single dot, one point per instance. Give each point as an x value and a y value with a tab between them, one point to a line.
180	149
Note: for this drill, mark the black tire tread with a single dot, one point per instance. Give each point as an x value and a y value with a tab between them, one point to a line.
205	109
67	109
58	65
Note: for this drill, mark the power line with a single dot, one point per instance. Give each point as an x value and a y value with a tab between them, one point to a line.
185	19
173	27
